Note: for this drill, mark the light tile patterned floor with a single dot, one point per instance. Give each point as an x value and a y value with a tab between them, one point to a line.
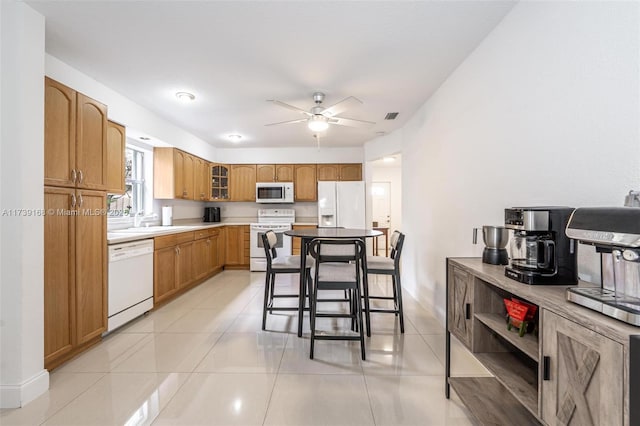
203	360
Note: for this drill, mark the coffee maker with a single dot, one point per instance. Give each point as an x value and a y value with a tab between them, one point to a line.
615	233
541	253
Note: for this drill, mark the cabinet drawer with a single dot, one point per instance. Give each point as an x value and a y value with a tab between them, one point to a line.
164	241
203	233
185	237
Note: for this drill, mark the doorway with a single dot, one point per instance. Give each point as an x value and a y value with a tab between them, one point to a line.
386	198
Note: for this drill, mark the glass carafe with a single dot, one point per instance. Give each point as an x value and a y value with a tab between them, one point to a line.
535	252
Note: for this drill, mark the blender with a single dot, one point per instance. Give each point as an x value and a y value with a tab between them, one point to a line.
495	240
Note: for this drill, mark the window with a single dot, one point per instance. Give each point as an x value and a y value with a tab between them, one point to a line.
133	200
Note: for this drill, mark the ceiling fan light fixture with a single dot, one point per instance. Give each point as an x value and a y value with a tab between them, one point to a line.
318	123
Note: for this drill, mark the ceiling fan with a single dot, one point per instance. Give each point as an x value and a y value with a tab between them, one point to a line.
319	117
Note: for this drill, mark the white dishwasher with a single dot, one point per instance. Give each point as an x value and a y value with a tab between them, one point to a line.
130	281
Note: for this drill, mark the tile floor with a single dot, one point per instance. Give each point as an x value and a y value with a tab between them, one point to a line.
203	360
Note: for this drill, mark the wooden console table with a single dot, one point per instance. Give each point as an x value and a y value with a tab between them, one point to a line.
385	233
580	368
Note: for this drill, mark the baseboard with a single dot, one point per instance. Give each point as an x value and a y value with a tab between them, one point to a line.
15	396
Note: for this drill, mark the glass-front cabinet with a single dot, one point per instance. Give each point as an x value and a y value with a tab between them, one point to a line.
219	182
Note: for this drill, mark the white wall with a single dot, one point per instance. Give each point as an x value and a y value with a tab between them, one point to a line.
544	112
122	110
22	373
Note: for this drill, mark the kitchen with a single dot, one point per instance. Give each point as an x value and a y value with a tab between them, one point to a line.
542	77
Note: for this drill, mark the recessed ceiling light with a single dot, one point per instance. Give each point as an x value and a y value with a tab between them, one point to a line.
185	96
234	137
388	159
144	138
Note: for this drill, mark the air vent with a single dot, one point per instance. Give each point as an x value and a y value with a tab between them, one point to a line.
391	115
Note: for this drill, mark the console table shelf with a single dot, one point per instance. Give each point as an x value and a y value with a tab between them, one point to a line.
527	343
580	355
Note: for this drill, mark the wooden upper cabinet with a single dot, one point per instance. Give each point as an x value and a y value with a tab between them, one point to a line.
175	173
340	172
328	172
265	172
274	172
243	182
187	178
305	185
351	172
219	182
201	179
116	141
59	134
91	146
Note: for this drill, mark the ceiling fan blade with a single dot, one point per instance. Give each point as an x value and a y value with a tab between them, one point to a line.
351	122
287	122
291	107
341	106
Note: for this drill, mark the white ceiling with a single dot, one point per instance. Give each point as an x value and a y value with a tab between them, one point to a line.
234	55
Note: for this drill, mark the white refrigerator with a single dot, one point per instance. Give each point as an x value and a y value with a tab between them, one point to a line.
341	205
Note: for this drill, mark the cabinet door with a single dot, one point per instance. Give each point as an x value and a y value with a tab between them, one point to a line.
235	245
91	265
265	173
59	274
460	305
116	140
350	172
585	383
219	182
185	264
59	134
284	172
164	273
91	143
188	181
201	179
216	251
246	245
305	184
243	182
296	243
201	253
328	172
178	174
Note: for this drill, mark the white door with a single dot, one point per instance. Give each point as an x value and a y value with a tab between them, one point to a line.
381	203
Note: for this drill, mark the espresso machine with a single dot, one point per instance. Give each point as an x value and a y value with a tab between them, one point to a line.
541	253
615	233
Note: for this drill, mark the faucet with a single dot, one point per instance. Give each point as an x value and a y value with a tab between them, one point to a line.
138	218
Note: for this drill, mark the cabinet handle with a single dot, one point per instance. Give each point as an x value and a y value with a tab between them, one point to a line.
176	250
80	176
546	368
81	199
73	201
467	310
74	175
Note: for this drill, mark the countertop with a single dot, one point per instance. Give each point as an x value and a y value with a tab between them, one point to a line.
130	234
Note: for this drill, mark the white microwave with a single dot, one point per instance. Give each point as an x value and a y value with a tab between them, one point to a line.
274	192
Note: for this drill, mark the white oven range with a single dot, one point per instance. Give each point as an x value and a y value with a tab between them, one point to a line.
277	220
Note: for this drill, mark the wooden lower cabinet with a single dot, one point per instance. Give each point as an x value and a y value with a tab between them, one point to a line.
585	385
75	286
164	273
237	248
183	260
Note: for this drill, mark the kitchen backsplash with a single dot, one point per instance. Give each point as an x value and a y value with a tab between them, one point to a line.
249	209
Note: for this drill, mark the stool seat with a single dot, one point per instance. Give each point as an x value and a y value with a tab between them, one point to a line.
340	272
380	263
290	262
